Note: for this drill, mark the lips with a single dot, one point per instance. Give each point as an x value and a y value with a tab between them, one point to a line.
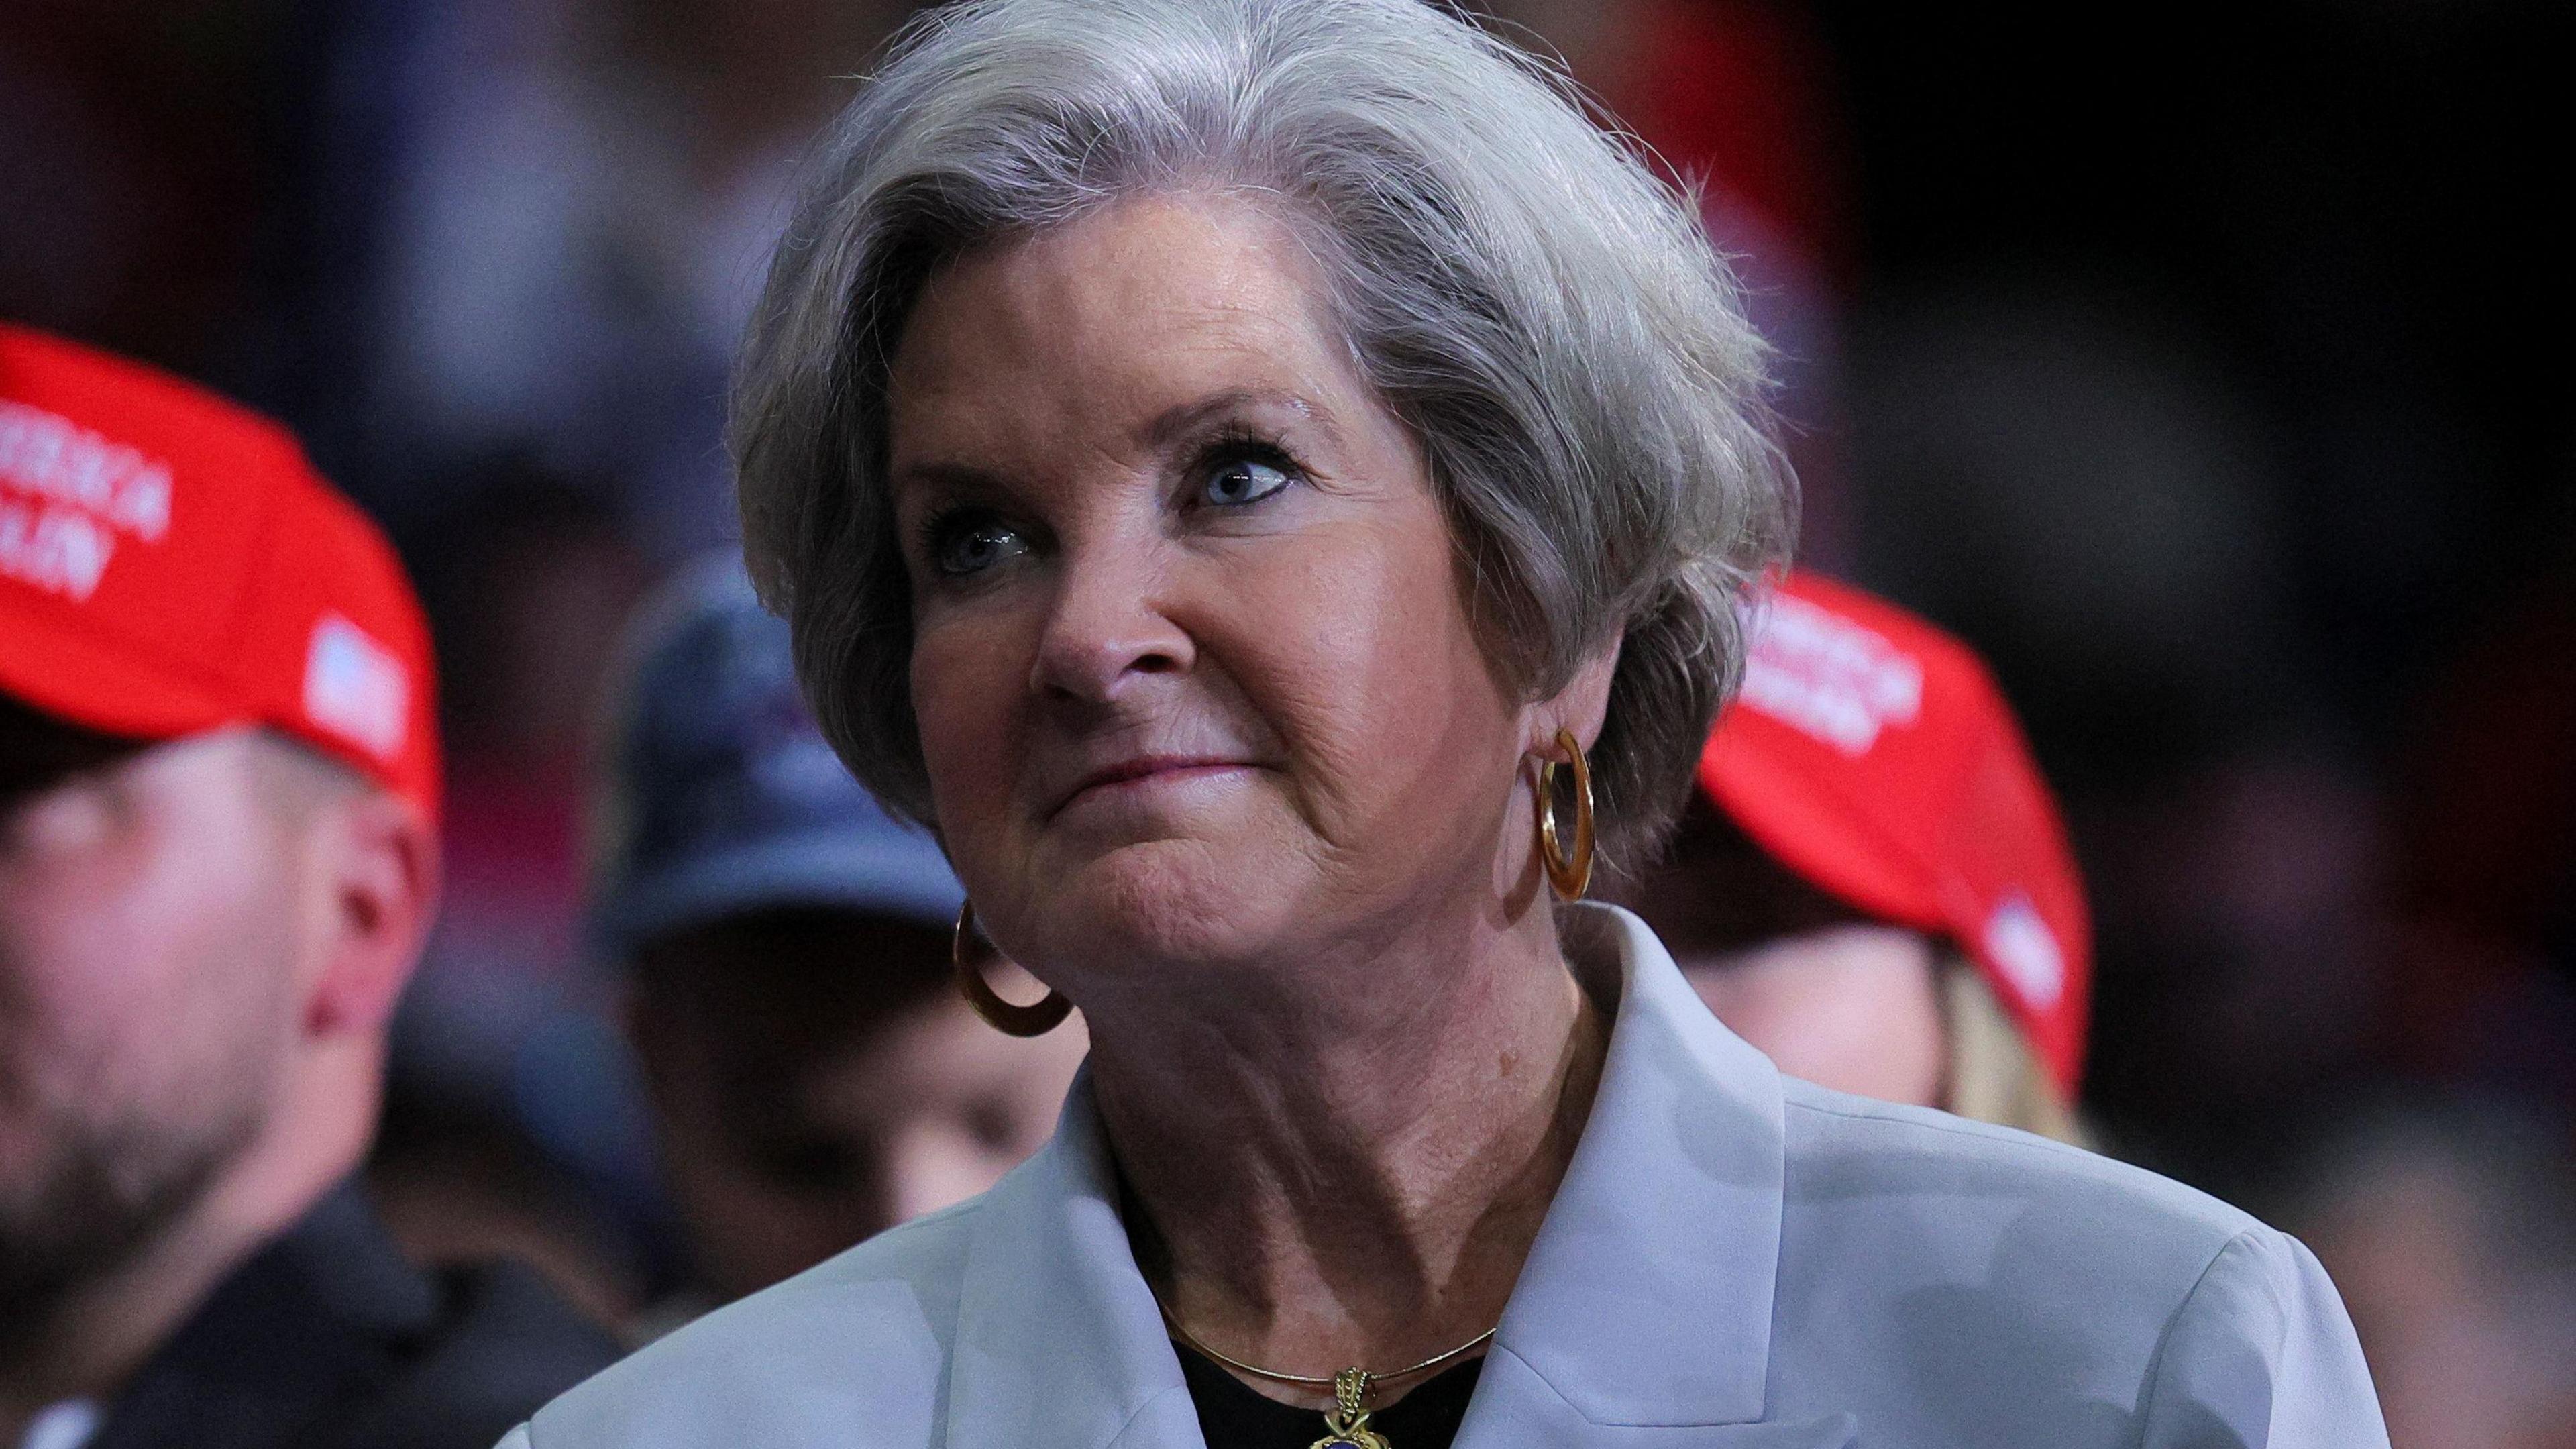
1146	767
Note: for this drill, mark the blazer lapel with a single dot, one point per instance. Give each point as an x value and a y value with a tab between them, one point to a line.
1059	1344
1645	1306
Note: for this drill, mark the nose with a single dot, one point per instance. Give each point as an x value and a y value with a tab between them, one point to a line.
1107	630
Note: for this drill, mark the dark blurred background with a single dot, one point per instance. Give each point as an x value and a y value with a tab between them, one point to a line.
2208	371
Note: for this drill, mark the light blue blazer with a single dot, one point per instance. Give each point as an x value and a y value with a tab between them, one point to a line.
1736	1260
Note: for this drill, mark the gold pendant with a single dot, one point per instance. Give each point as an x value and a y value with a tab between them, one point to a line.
1347	1421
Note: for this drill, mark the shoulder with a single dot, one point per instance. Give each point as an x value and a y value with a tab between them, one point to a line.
2262	1343
2036	1280
1841	1148
1945	1200
1979	1252
862	1337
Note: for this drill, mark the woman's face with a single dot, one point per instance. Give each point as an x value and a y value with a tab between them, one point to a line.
1194	674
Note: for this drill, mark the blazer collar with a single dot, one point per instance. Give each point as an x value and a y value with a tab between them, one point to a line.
1646	1300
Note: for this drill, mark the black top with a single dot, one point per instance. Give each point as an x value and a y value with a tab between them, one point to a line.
329	1339
1232	1416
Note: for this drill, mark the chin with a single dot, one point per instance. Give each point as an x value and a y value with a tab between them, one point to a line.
1169	902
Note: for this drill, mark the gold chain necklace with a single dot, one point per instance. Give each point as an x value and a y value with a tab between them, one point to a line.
1346	1423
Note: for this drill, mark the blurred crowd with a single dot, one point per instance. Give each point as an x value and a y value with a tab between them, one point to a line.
2202	377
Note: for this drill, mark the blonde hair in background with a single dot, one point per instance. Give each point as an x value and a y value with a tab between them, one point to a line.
1994	1075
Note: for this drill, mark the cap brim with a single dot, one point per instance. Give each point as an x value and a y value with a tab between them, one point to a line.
100	689
818	868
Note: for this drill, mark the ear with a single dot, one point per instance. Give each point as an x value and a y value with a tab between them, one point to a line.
378	859
1580	706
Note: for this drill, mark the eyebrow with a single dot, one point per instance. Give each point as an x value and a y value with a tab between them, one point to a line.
965	480
962	480
1188	417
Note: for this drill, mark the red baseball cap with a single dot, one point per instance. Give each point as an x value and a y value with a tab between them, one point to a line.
171	563
1872	754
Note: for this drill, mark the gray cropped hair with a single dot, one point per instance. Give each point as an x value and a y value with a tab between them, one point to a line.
1541	311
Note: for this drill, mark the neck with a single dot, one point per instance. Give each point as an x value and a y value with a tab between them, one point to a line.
1349	1170
94	1338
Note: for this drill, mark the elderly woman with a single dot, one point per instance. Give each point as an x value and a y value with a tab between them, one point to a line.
1271	483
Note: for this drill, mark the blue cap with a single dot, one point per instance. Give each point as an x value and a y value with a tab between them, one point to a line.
723	797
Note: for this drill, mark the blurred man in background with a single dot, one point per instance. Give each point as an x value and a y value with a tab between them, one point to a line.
1872	885
815	1076
218	795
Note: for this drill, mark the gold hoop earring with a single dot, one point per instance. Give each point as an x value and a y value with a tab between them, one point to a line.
1569	874
1008	1017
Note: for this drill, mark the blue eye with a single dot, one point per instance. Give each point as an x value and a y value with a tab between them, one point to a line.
1240	481
976	547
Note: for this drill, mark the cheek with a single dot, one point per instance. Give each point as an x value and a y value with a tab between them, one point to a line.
1379	689
969	689
228	967
99	940
146	973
